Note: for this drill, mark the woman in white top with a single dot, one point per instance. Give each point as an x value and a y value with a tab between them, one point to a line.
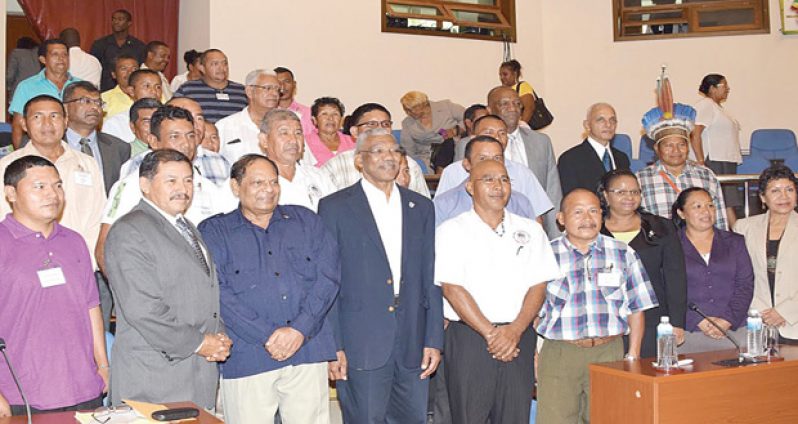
716	137
192	58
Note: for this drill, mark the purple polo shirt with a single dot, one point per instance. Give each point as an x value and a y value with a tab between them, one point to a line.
47	330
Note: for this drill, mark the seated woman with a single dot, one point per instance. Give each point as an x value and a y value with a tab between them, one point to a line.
720	279
327	140
770	237
430	129
656	241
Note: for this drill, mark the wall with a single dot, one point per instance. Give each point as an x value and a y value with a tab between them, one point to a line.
566	46
3	6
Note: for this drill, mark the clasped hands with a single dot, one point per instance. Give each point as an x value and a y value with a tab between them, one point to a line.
284	343
503	342
215	347
709	330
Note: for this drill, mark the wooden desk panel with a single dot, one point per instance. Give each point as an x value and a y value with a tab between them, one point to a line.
633	392
69	417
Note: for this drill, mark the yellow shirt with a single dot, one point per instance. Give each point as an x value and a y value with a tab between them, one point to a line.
625	236
84	191
116	101
524	90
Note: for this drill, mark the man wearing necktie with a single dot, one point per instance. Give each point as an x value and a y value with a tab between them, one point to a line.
583	166
169	329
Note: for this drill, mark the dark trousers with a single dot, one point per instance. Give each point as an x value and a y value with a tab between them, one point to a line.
89	405
482	389
392	394
731	195
439	396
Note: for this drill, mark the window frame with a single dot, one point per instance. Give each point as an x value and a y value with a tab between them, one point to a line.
503	9
690	16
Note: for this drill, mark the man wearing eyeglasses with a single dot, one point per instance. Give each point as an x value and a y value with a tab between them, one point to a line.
387	320
492	266
238	133
84	111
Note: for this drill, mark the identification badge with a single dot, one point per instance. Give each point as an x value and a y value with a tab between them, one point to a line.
222	96
51	277
83	178
609	279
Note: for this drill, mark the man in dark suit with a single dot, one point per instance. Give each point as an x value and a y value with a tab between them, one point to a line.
84	110
583	166
169	332
388	318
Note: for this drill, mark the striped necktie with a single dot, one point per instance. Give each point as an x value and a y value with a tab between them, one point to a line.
85	146
607	160
191	238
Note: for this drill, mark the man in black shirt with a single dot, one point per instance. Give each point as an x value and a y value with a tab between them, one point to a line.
107	48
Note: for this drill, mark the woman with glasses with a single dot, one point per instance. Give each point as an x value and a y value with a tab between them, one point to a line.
770	238
656	242
430	129
720	279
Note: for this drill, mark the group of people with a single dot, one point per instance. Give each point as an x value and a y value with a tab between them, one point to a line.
239	234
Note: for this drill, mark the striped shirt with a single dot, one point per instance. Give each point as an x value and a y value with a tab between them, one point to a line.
216	104
595	292
210	165
659	193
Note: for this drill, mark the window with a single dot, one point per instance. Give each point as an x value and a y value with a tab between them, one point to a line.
481	19
648	19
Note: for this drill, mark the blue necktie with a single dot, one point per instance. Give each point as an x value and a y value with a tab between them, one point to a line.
607	161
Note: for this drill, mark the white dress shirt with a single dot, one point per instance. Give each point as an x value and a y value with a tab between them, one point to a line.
342	172
388	216
600	149
496	267
515	150
238	126
119	126
84	66
178	80
306	189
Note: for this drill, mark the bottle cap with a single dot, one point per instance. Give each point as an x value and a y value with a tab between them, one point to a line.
665	319
753	311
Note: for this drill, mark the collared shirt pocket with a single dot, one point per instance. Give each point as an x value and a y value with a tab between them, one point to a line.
610	285
241	280
304	265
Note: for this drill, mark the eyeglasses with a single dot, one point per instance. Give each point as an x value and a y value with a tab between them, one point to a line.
623	193
104	414
85	101
491	180
374	124
379	151
267	87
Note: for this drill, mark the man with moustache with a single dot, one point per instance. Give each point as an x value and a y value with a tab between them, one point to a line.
158	55
387	320
275	309
600	295
238	133
169	331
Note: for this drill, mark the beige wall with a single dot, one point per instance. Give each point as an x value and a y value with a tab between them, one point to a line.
194	30
336	48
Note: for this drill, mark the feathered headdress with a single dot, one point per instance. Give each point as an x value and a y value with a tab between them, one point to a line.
668	118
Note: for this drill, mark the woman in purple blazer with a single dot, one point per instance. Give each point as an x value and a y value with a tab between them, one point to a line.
720	278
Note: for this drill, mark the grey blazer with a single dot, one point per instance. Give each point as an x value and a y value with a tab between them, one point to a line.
164	303
543	163
114	152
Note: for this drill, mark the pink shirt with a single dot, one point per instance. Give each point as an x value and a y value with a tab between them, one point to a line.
47	329
320	150
304	116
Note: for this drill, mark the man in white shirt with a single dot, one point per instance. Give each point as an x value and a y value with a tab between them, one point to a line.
142	84
238	133
281	139
81	64
493	266
170	128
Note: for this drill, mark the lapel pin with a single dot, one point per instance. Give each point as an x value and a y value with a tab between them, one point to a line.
411	204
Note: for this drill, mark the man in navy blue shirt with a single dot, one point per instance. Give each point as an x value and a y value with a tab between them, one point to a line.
279	273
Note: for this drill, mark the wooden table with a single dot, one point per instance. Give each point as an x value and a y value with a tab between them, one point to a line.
634	392
69	417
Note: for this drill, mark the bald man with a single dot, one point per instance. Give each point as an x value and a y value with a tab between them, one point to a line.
492	266
583	166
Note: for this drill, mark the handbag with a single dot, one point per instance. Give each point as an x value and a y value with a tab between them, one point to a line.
541	117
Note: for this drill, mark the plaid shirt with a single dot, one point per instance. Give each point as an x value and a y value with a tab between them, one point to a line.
595	292
210	165
342	172
659	195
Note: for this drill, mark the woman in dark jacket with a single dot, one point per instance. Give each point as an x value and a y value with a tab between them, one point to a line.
656	241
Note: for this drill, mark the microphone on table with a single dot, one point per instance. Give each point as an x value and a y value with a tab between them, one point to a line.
693	307
16	381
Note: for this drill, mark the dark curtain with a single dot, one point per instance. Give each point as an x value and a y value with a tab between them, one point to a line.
152	20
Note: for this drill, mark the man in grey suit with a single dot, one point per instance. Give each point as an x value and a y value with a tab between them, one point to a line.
530	148
84	109
169	332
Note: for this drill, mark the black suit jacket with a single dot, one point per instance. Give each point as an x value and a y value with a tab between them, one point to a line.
114	153
580	167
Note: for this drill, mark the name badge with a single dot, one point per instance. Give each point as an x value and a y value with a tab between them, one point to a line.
609	279
51	277
222	96
83	178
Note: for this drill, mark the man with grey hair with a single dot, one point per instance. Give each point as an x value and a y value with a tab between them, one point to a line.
582	166
387	320
281	139
238	133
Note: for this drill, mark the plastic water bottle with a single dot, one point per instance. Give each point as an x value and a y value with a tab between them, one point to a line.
755	333
666	345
